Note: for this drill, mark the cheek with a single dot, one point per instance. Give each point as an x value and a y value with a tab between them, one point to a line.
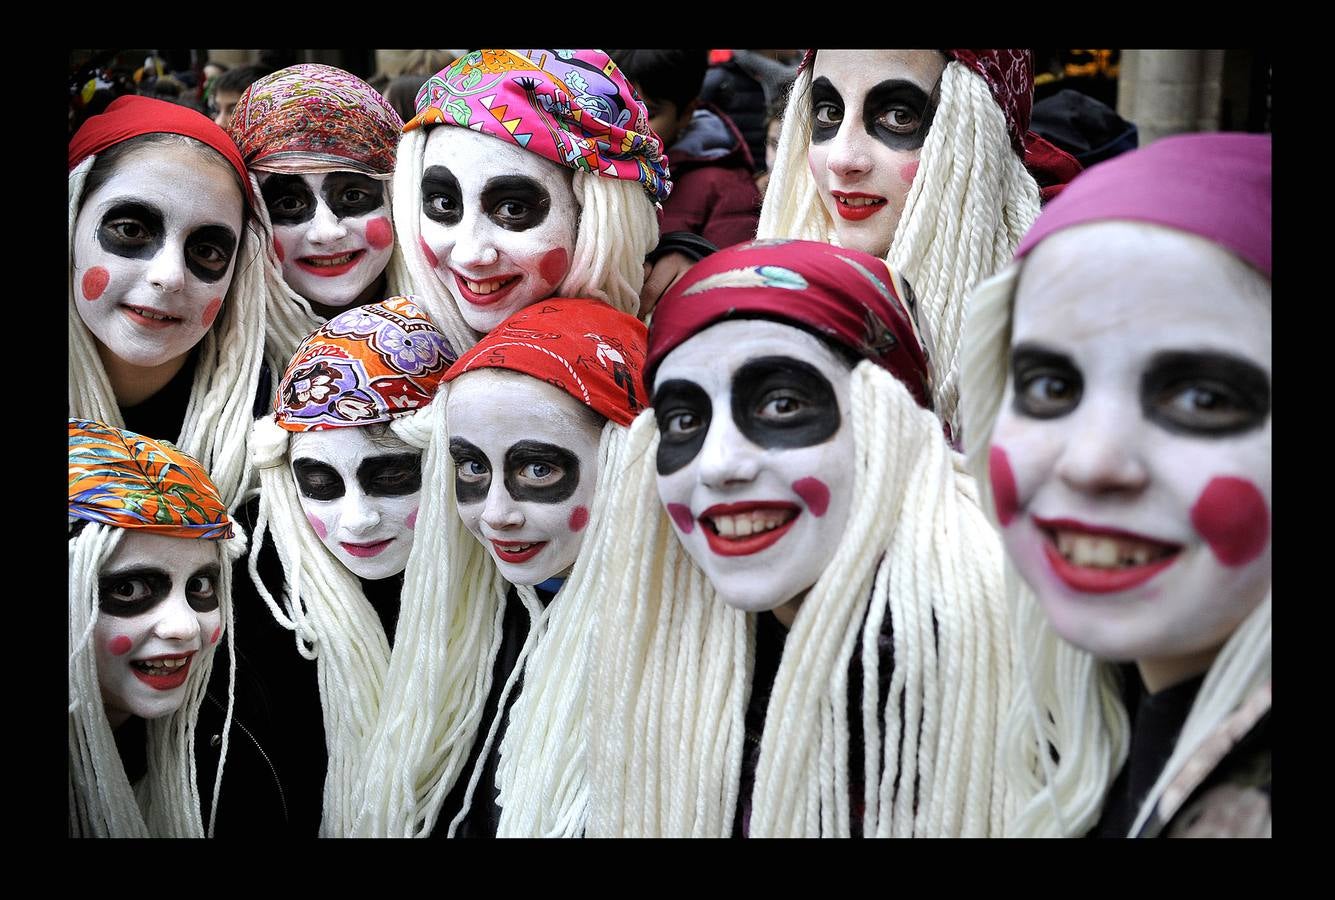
217	633
1003	485
95	282
430	257
681	515
379	234
814	493
211	311
119	645
278	250
579	517
318	526
554	265
908	172
411	521
1232	516
816	163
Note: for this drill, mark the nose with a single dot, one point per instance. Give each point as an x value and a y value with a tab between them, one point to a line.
501	512
850	152
727	457
177	621
166	272
358	515
474	247
1101	454
326	228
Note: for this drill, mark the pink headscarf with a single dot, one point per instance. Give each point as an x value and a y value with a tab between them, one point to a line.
1214	185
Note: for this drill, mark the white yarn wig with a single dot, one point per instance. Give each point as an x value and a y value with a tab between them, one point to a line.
672	663
618	226
222	396
969	205
324	605
436	689
1067	733
166	802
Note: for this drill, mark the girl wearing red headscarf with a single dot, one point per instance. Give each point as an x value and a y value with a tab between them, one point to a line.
166	304
923	158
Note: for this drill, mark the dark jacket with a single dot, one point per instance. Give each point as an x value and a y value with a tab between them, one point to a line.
714	192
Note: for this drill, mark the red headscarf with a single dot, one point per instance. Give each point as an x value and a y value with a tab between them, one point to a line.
1009	75
584	347
852	298
130	116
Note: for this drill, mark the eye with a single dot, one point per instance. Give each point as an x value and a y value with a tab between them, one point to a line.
211	256
201	593
128	590
472	470
540	473
681	424
440	204
777	406
1047	394
511	209
287	205
128	231
900	119
1206	406
827	115
355	195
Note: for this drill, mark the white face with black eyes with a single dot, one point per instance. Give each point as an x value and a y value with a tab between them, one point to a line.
870	114
333	234
360	496
526	466
498	223
1131	458
154	246
158	610
755	457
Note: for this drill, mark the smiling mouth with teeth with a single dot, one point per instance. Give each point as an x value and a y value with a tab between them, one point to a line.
330	266
163	673
481	293
1103	560
152	318
740	529
517	552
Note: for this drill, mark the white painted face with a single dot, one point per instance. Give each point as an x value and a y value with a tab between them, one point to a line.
153	251
158	611
871	111
333	233
755	457
526	465
498	223
359	495
1131	460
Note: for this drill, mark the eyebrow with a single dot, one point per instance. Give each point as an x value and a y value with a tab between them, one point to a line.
136	571
153	208
823	84
389	459
459	446
895	88
1169	365
526	449
1029	354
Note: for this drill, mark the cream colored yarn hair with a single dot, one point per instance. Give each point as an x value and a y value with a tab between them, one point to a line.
1066	700
673	664
323	604
436	689
166	802
969	205
618	226
222	397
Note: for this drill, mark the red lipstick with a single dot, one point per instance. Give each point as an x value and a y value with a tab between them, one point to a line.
365	550
859	212
307	265
751	543
521	556
136	315
163	682
483	299
1103	579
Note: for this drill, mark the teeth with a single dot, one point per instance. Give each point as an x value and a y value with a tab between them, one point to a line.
754	522
515	548
487	287
325	263
1101	552
859	201
149	314
163	663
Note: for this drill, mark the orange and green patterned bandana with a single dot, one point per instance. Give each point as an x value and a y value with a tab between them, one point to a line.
127	480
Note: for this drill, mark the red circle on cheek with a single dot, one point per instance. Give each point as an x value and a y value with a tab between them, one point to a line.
120	645
814	493
579	518
278	250
554	265
211	311
411	521
1003	485
217	633
1232	516
95	281
318	526
379	234
908	172
681	514
426	251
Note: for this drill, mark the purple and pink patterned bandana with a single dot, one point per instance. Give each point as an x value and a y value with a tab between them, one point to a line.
366	365
573	107
313	118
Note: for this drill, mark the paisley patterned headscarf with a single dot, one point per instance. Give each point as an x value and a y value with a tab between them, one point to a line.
121	478
366	365
573	107
313	118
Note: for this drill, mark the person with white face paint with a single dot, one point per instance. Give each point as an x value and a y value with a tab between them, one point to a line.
803	586
163	257
150	547
321	142
484	736
923	158
1117	388
340	477
526	174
